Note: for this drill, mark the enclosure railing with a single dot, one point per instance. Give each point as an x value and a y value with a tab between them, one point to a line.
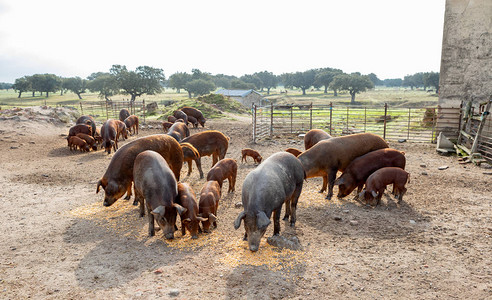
413	124
111	109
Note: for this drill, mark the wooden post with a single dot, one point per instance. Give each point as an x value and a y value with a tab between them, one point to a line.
331	115
311	116
485	113
254	123
385	114
365	119
347	119
408	127
107	115
291	116
143	103
271	119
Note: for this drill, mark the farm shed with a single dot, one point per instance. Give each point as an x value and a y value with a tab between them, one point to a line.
245	97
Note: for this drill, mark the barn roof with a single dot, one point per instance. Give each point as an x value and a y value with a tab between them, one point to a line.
236	93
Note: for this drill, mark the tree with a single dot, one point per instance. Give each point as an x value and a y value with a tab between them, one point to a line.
252	79
432	79
393	82
414	80
238	84
374	79
48	83
325	76
22	85
268	80
75	84
179	80
5	86
144	80
223	81
303	80
199	87
353	83
104	83
197	74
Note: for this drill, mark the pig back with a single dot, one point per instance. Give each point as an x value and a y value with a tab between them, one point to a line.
207	142
363	166
154	179
268	186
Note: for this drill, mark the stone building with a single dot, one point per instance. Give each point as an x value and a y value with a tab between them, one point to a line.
245	97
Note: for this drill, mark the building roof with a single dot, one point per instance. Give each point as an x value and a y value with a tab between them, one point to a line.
236	93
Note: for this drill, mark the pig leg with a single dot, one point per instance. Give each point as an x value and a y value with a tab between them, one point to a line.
402	192
233	180
287	209
183	229
276	221
244	158
129	193
190	167
140	199
359	189
331	182
151	222
231	189
325	183
198	163
245	238
293	204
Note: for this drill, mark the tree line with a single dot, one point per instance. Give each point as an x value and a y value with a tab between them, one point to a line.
150	81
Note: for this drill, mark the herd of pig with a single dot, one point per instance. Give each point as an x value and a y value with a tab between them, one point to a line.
152	165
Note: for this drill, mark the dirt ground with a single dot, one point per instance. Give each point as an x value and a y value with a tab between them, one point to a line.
59	242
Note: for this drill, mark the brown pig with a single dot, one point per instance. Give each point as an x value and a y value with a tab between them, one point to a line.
210	142
91	142
75	141
190	154
313	136
209	203
294	151
224	169
132	123
250	152
196	113
359	169
109	133
329	156
122	130
179	131
178	114
155	183
166	125
88	120
171	119
80	128
193	121
376	184
124	113
189	218
118	177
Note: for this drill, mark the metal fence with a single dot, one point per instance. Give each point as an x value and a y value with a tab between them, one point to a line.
111	109
413	124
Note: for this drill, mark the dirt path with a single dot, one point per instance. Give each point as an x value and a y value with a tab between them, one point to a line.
59	242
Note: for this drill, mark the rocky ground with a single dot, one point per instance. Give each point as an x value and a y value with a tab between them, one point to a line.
59	242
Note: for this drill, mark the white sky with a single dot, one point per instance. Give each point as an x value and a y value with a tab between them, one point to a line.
391	38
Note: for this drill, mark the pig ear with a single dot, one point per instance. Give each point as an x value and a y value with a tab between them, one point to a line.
262	221
212	217
201	219
237	222
187	220
99	184
181	210
339	181
159	211
374	194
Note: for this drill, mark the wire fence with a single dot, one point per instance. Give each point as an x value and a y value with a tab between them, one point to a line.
111	109
412	124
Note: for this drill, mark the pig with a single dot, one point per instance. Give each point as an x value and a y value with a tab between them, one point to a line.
189	218
191	154
196	113
276	181
209	142
132	123
193	121
124	113
376	184
171	119
166	125
335	154
155	183
178	114
313	136
359	169
109	133
294	151
121	130
250	152
224	169
91	142
80	128
75	141
208	204
118	177
88	120
179	131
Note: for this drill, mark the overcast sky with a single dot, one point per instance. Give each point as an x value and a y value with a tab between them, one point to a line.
391	38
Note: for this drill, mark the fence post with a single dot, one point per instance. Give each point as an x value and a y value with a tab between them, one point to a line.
408	131
143	103
107	115
254	123
331	117
291	130
347	119
311	116
271	119
81	109
385	114
365	119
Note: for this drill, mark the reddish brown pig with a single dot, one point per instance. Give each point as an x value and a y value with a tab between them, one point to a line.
210	142
294	151
132	124
75	142
193	121
179	131
196	113
109	133
189	218
124	113
209	203
166	125
250	152
329	156
122	130
178	114
376	184
190	154
224	169
91	142
313	136
118	177
155	183
171	119
88	120
359	169
80	128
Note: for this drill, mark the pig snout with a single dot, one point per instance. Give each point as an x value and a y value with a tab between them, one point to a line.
108	201
194	237
169	235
